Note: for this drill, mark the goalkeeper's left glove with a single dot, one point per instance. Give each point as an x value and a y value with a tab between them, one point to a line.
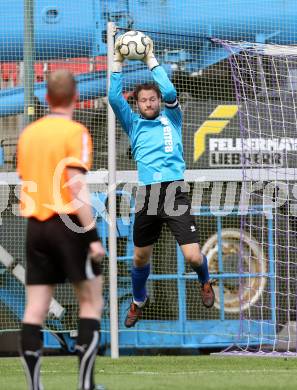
150	59
118	59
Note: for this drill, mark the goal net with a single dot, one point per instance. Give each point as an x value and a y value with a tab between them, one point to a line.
248	242
265	77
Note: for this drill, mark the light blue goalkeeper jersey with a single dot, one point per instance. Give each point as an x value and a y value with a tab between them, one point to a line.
156	143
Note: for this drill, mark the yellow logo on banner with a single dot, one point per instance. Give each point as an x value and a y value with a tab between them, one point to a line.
213	126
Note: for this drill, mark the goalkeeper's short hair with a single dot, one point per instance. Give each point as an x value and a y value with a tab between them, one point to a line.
147	87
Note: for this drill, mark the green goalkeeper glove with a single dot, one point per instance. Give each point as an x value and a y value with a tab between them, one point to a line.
150	59
118	59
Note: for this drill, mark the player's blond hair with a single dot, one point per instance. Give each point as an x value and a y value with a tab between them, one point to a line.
61	88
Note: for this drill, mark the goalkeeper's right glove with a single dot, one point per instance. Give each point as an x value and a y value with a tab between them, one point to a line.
118	59
150	59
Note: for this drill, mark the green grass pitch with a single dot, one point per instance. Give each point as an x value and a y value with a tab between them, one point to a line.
161	372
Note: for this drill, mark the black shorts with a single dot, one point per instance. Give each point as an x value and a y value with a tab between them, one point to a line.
160	203
55	253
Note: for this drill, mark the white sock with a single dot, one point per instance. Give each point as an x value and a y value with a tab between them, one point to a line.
139	303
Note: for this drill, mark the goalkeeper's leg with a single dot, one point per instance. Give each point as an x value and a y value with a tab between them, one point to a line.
198	263
146	231
139	275
184	229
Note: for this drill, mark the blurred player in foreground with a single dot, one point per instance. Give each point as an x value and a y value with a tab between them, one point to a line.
156	142
54	153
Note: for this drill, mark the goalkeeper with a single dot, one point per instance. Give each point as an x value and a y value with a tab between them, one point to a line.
156	143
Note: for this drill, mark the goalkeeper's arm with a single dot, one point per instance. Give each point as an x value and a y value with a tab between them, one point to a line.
118	59
116	99
160	76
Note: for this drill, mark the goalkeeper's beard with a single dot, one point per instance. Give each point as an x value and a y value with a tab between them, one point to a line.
150	114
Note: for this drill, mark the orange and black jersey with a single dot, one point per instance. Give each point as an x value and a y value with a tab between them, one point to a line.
45	148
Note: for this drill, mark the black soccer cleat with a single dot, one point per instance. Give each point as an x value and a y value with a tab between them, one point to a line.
207	294
135	313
